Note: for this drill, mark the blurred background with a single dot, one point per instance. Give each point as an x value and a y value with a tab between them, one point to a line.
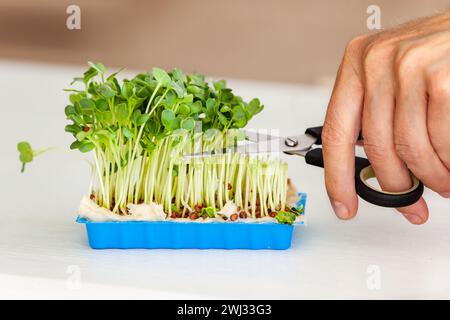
284	41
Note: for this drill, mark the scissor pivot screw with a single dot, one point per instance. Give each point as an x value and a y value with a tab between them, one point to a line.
291	142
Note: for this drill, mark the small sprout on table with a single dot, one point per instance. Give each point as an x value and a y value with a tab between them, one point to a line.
27	154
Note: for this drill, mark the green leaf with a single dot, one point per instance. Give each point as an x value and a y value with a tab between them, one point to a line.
75	97
122	112
161	76
177	74
87	104
170	99
240	123
254	107
78	108
184	109
72	128
178	88
149	146
75	145
175	171
135	116
153	126
193	89
99	67
103	136
188	98
197	79
69	110
167	118
102	105
210	211
25	153
222	119
105	117
219	85
196	107
127	90
239	113
211	108
89	74
77	79
188	124
112	75
26	157
81	135
226	95
285	217
296	211
143	118
225	109
106	91
115	85
24	146
128	133
86	147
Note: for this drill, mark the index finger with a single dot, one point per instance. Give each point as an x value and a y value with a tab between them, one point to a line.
340	132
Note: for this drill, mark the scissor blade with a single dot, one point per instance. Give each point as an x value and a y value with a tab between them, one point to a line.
304	143
257	144
257	136
249	148
275	145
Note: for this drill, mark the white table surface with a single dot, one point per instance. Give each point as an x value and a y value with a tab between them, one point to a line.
41	245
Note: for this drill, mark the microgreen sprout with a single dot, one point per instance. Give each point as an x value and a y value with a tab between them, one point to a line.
285	217
138	130
27	154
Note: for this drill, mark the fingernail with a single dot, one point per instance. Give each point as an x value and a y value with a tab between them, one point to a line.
340	209
413	218
445	194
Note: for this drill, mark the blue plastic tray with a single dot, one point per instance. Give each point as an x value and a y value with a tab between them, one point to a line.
189	235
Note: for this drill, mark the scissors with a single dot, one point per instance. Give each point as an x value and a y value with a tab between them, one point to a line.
303	145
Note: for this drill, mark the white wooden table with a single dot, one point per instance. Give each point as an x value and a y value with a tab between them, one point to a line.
44	253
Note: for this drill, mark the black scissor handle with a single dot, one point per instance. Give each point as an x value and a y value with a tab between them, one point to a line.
363	172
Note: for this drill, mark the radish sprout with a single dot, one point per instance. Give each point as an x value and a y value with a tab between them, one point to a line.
138	131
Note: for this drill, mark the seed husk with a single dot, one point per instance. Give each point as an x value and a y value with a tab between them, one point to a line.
193	216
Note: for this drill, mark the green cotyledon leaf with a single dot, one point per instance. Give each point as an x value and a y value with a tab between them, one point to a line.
285	217
25	153
99	67
188	124
161	76
210	211
106	91
167	118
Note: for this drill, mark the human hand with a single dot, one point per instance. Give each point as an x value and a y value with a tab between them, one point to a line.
395	87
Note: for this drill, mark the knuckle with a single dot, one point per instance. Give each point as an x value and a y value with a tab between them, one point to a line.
377	50
439	85
355	44
333	133
376	151
408	59
438	140
407	151
354	49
